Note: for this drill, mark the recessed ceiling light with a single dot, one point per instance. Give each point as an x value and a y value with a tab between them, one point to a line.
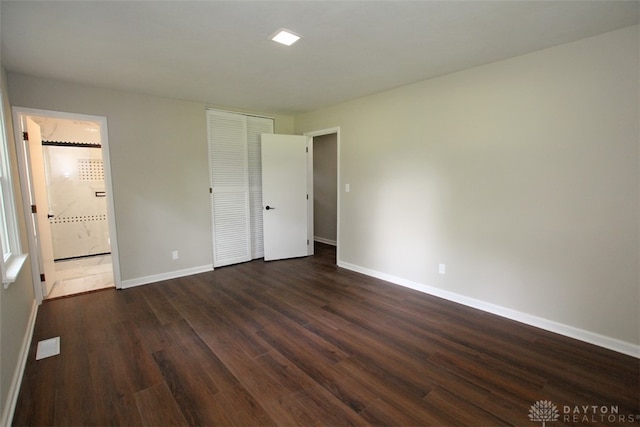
285	37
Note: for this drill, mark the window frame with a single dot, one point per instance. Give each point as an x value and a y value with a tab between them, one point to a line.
12	258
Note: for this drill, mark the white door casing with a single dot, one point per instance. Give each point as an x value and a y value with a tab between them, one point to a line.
285	196
19	116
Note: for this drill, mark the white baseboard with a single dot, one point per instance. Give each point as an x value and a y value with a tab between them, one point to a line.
325	241
130	283
16	382
539	322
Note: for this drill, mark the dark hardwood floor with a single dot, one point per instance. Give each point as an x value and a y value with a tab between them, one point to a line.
304	343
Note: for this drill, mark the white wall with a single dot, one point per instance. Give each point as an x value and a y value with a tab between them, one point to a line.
158	153
521	176
17	303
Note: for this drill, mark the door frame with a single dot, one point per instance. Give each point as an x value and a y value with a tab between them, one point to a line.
310	135
25	176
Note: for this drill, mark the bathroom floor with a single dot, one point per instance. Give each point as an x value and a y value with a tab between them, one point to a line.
82	275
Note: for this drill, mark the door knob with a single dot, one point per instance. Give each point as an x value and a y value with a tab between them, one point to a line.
269	207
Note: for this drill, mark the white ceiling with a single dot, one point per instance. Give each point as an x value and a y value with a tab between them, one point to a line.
219	52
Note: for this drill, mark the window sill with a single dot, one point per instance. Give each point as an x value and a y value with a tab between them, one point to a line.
12	269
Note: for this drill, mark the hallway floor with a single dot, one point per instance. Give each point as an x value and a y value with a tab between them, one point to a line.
82	275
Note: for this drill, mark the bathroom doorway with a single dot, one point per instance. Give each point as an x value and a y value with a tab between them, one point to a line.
68	181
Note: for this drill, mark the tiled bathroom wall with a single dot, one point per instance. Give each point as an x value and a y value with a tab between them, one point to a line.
74	173
77	201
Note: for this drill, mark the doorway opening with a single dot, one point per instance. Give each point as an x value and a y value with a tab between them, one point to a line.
326	192
66	181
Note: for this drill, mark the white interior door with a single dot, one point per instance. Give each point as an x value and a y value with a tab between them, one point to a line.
39	186
284	196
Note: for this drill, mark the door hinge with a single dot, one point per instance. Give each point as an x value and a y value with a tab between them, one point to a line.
307	242
34	209
42	277
307	148
307	197
210	190
25	136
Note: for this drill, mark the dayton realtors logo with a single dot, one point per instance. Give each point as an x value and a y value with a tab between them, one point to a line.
543	410
546	411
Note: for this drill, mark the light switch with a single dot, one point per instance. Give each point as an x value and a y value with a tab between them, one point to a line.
347	188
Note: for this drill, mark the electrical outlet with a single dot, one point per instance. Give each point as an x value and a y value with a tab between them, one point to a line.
442	269
174	255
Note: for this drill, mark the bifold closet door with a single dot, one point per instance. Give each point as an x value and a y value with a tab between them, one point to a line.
255	127
228	165
236	185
